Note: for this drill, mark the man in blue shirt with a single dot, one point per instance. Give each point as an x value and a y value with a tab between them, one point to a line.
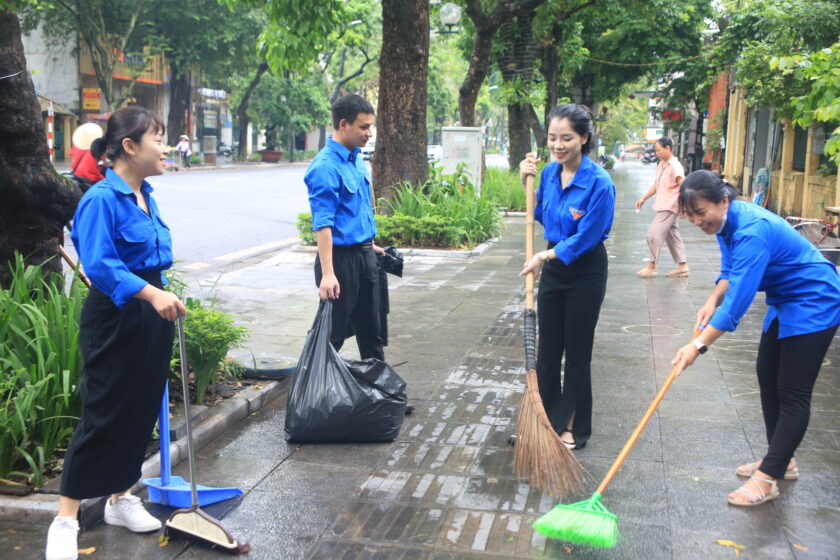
340	197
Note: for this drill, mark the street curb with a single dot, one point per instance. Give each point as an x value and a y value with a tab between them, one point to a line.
41	508
476	251
240	167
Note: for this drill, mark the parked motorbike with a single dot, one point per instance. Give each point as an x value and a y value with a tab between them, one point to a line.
223	149
649	157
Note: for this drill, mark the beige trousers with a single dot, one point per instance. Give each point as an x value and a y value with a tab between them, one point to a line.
664	229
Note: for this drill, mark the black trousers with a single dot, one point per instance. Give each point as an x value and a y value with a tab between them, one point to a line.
568	306
787	370
357	309
126	355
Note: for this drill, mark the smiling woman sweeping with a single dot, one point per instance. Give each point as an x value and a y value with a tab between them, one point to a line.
760	252
575	204
125	330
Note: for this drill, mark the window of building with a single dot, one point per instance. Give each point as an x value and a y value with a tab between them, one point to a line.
800	148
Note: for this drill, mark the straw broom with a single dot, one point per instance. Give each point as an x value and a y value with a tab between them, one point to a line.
589	522
539	453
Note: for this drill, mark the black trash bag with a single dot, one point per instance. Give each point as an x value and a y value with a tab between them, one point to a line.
337	400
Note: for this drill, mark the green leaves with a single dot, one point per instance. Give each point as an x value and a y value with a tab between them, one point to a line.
39	369
209	335
297	31
816	76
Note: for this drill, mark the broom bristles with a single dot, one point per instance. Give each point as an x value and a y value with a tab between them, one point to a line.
586	523
540	455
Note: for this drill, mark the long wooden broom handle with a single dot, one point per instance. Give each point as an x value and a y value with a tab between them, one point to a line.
529	238
638	431
66	256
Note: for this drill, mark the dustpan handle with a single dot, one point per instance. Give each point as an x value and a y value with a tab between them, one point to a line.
638	431
182	346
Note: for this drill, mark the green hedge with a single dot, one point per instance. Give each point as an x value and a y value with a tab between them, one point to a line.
400	230
442	212
503	187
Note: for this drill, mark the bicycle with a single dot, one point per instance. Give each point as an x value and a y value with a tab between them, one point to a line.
814	230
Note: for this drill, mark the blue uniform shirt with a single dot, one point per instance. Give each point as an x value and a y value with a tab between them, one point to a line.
580	216
339	194
115	239
761	252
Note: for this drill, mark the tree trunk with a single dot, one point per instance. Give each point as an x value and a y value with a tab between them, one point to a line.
179	104
322	137
550	69
476	73
401	115
516	62
37	201
486	27
519	133
535	126
582	89
242	110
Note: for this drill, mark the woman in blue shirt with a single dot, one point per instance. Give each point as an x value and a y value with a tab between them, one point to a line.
125	331
575	204
760	252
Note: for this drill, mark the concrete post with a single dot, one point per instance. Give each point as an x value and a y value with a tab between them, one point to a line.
811	162
787	162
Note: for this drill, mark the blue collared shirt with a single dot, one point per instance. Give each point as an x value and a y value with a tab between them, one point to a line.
580	216
761	252
339	194
115	239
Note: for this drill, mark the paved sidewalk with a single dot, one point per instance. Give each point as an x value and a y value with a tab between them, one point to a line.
445	489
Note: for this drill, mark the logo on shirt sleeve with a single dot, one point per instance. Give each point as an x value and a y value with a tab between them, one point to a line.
576	214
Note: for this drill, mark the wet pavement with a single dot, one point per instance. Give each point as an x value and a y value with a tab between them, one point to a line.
445	489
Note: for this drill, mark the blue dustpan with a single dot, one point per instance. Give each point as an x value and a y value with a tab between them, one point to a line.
174	491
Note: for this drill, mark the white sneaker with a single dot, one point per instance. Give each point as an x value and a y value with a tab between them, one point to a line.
63	539
129	512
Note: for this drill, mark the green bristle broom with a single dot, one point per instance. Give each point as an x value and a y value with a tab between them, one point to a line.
589	522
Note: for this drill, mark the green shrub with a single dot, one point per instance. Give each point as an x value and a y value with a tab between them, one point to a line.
209	336
443	212
304	227
503	187
451	197
39	364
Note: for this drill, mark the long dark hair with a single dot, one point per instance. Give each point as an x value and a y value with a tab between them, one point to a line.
706	185
128	122
581	118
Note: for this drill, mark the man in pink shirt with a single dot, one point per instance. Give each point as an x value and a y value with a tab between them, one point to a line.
664	228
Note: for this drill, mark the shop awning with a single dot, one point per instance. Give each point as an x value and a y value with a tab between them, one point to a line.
58	108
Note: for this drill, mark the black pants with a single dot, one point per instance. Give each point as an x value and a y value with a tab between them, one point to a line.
357	309
126	355
568	306
787	370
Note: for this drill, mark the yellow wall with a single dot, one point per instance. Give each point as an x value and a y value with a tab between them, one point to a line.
792	193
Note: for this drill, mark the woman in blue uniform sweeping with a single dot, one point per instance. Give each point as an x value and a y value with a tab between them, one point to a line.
125	331
760	252
575	204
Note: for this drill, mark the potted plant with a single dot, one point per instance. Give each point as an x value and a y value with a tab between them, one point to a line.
270	154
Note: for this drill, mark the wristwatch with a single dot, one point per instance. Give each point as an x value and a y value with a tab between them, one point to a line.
701	348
